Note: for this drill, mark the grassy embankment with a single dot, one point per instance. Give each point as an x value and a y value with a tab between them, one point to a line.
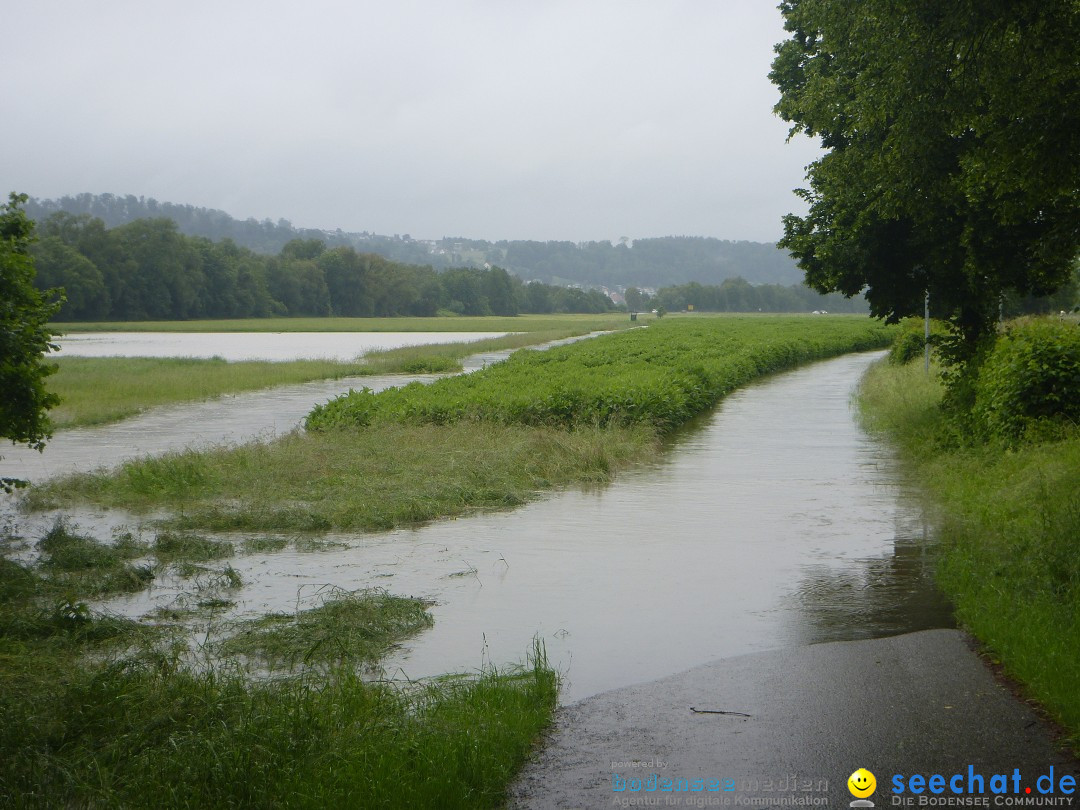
99	710
100	390
1009	522
488	440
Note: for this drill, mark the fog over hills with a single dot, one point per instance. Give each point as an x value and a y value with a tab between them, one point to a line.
651	262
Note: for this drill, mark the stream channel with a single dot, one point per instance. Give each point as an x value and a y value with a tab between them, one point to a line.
772	521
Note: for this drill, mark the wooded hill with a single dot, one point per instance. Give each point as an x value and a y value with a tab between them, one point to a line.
641	263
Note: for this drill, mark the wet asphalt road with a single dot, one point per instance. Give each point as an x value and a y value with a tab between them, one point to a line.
921	703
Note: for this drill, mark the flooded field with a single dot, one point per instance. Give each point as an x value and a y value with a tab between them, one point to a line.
252	345
774	521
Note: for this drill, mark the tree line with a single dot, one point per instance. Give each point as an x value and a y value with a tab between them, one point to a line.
739	295
148	270
651	262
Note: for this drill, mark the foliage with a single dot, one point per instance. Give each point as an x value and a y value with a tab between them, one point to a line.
659	377
148	269
24	335
738	295
910	342
952	131
1030	381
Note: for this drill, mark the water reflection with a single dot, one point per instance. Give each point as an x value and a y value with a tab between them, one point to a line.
871	598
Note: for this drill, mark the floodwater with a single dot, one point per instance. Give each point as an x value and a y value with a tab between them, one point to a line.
772	522
235	346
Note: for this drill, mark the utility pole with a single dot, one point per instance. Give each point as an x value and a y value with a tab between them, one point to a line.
926	331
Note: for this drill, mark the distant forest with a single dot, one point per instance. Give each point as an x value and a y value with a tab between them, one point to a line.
651	263
148	270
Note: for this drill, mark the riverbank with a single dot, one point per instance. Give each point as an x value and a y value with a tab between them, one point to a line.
1008	521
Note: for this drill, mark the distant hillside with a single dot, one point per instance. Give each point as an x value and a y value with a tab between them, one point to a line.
648	263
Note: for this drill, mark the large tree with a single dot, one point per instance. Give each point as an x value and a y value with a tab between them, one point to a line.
24	335
953	163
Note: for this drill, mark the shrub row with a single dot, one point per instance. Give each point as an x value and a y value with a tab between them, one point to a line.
1029	385
660	376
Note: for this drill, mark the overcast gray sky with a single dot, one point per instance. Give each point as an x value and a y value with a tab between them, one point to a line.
492	119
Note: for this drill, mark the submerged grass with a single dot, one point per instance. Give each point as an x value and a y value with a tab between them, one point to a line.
98	710
372	480
1009	524
349	627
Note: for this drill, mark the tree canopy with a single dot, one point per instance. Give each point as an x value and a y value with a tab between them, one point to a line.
24	335
953	137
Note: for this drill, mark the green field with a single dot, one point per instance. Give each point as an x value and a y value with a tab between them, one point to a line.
464	323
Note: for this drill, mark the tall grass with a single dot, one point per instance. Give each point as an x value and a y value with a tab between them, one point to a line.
373	480
1009	523
98	710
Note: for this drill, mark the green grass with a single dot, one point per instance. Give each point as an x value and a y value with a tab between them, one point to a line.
75	563
1009	523
98	390
660	377
378	479
356	628
519	323
100	711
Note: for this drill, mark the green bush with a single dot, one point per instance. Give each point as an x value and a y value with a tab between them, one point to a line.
1029	386
910	342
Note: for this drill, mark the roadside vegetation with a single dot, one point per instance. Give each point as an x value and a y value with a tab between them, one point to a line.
492	439
1003	477
102	710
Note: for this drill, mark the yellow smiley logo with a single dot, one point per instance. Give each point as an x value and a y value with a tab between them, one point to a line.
861	783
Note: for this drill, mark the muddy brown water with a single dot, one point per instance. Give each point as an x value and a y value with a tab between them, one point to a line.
772	522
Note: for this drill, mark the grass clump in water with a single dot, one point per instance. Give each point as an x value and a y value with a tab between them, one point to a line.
75	562
85	727
356	628
171	546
